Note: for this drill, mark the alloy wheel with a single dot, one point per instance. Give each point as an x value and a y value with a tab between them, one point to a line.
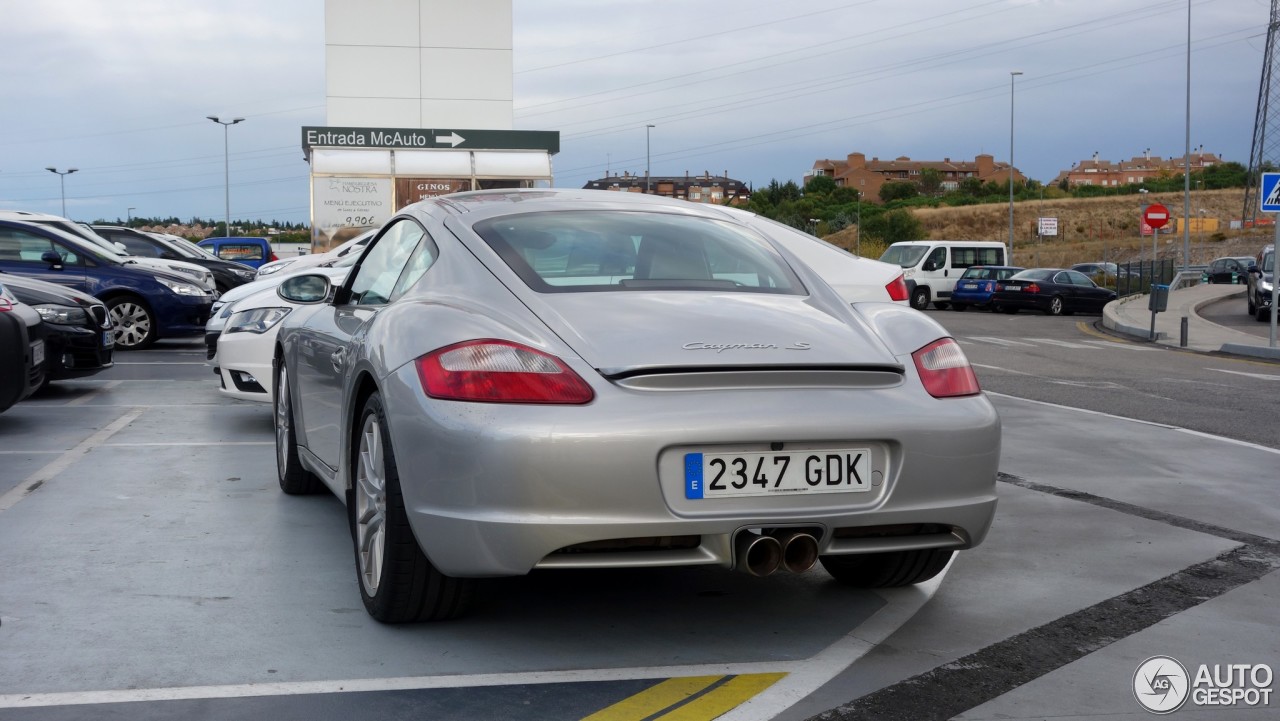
132	323
371	504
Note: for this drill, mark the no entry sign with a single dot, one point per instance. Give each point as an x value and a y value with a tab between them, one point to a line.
1155	215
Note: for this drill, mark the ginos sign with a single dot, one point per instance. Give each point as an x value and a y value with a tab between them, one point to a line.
411	190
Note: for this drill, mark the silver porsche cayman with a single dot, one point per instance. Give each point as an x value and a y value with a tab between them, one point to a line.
511	380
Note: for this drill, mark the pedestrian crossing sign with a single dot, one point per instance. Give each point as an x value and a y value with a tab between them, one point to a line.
1270	193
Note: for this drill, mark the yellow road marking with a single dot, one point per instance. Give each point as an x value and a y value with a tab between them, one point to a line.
654	699
687	699
724	698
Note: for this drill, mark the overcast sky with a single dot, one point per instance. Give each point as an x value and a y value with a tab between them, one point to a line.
760	89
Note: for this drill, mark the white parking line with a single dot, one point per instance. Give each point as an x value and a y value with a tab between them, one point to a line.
804	676
61	463
190	443
160	363
1260	376
1060	343
92	394
1001	341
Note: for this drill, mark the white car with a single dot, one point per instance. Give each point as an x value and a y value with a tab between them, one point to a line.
355	245
241	336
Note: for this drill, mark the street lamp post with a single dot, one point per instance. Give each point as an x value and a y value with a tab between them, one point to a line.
129	216
226	162
1012	74
858	246
62	184
646	157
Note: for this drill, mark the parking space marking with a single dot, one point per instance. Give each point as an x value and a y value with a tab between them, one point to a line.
188	443
93	394
160	363
656	699
61	463
1260	376
968	682
1001	341
1061	343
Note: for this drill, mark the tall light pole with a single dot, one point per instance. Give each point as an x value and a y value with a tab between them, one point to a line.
62	184
129	216
646	157
226	160
1012	74
1155	232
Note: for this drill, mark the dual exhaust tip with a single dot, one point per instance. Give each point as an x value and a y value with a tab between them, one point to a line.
762	554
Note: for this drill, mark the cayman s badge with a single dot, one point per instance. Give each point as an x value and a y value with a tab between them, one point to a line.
722	347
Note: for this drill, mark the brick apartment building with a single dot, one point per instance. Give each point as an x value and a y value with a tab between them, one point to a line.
867	176
705	188
1128	172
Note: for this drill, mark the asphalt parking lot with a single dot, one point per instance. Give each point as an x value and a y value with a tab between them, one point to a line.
150	568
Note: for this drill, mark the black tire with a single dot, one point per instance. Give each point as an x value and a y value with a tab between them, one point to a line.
1262	314
959	306
1055	306
920	298
887	570
134	321
397	582
294	479
941	304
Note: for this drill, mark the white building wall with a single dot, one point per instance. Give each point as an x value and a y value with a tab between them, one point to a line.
418	63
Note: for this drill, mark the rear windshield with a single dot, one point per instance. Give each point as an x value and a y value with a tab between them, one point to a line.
983	273
1034	274
574	251
240	251
906	256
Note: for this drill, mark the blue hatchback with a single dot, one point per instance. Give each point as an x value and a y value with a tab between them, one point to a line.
975	287
252	252
145	304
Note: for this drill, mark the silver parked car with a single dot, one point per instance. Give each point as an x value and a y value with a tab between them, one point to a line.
510	380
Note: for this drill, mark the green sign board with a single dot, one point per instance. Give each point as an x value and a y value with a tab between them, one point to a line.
431	138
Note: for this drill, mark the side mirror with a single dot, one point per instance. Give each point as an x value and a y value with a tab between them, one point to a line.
306	289
52	258
169	255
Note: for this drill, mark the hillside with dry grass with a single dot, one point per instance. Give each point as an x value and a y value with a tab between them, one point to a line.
1090	229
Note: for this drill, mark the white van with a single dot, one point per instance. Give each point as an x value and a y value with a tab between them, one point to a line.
931	267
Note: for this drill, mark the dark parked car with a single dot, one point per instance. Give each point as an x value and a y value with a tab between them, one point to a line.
144	304
975	287
21	350
1054	291
226	274
1227	270
250	251
1106	270
1261	276
79	338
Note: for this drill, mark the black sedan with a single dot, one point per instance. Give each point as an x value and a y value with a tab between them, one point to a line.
21	350
1053	291
226	274
1231	269
78	334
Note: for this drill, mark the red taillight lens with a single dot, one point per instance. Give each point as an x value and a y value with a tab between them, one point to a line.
897	289
273	258
1033	288
499	371
945	371
999	286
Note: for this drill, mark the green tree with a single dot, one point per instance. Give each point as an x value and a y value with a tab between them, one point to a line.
930	181
898	190
893	226
820	185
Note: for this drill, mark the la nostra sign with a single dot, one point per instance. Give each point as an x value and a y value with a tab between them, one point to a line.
431	138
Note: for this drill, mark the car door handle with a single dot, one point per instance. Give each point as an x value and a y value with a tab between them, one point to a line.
336	359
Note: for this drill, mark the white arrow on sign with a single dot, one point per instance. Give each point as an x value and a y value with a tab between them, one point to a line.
453	139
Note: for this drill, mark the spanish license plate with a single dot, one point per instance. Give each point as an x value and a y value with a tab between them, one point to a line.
969	286
108	338
37	353
726	475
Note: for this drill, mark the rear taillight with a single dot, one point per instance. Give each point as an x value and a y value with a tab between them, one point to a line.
988	286
1033	288
999	286
945	371
272	258
897	289
499	371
